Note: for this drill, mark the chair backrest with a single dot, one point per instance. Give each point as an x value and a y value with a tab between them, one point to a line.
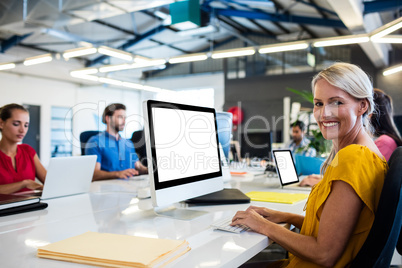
380	244
85	136
138	138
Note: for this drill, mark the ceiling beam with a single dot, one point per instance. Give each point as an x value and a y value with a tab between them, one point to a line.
351	13
12	41
130	43
286	12
279	17
381	6
324	14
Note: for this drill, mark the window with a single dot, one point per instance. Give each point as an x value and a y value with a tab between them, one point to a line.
61	131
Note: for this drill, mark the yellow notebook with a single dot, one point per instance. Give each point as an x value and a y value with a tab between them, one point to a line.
113	250
274	197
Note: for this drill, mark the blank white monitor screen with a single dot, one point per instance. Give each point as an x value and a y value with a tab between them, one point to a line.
285	166
183	144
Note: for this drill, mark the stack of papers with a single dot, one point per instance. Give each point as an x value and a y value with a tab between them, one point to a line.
113	250
274	197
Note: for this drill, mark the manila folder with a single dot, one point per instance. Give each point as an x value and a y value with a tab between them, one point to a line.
113	250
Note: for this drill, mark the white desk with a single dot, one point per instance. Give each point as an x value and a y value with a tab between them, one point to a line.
111	208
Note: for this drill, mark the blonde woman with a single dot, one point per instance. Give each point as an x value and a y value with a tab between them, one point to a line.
341	208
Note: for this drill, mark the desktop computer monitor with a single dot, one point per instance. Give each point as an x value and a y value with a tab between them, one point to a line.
183	155
256	144
224	123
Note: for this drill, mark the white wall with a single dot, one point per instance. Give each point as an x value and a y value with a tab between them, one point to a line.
216	81
37	91
86	102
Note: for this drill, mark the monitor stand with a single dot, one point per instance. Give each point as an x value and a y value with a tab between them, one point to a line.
178	213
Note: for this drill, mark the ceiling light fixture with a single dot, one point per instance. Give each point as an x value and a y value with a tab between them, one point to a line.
138	58
119	83
38	59
86	77
387	29
117	53
188	58
7	66
113	68
147	63
389	39
84	71
77	52
110	81
392	70
344	40
283	47
237	52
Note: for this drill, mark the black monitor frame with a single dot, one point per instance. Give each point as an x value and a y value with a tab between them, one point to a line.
256	143
166	105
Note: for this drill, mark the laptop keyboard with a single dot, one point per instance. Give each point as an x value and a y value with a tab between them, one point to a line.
224	225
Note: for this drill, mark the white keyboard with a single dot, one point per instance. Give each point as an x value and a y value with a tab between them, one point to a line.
224	225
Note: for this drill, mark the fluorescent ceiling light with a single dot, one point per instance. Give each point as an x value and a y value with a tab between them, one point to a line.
147	63
84	71
86	77
113	68
341	41
392	70
77	52
390	39
141	64
282	47
238	52
133	85
139	58
387	29
7	66
38	59
115	53
199	31
188	58
155	89
110	81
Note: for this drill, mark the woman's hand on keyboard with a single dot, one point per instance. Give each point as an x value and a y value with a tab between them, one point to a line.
251	219
269	214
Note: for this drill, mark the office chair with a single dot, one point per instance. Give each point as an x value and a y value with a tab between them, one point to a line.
85	136
138	138
380	244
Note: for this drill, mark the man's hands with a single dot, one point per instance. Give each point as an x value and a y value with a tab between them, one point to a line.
127	173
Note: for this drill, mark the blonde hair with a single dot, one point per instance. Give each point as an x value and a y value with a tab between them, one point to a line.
354	81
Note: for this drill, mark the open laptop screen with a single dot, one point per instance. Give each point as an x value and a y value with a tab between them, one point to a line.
285	167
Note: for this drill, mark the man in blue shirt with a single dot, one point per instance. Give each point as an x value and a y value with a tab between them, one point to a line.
116	156
299	143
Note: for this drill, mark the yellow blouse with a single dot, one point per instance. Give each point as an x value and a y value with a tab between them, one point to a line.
363	170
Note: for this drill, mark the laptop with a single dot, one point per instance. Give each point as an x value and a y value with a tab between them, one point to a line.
67	176
286	169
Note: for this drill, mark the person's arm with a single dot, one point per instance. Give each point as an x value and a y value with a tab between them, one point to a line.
279	216
342	208
16	186
141	168
107	175
311	180
39	169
